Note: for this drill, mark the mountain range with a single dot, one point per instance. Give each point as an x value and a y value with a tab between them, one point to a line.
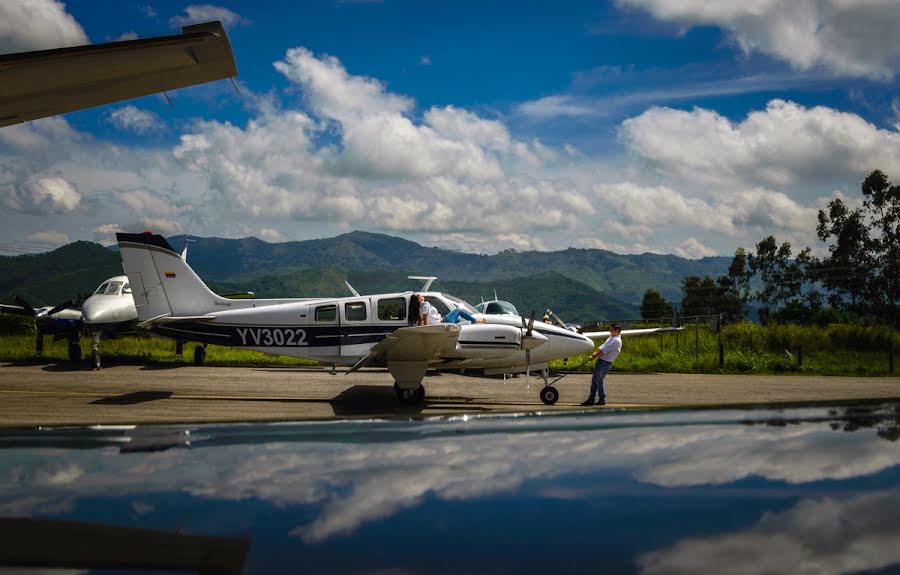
579	284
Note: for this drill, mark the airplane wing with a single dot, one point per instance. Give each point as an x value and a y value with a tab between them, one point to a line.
15	309
418	343
602	334
48	82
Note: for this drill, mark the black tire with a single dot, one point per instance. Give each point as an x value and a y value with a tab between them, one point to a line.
410	396
199	355
74	352
549	395
95	359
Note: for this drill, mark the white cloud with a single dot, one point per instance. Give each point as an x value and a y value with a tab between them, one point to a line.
784	145
136	120
27	25
200	13
161	226
107	232
559	105
691	248
855	38
49	237
145	202
49	195
828	536
270	235
127	36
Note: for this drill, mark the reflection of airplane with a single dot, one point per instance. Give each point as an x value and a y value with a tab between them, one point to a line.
48	82
359	330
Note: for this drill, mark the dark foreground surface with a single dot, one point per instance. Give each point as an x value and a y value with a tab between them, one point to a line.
802	490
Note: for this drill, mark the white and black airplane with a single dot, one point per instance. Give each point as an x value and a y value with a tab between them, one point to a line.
359	330
110	310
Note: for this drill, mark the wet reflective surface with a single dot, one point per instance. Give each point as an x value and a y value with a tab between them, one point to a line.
748	491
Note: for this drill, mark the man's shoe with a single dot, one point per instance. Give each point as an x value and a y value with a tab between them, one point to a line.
601	402
587	402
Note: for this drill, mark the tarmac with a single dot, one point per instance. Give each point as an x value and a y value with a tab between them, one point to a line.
52	395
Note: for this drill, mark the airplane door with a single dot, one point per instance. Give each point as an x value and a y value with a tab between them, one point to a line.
324	331
354	320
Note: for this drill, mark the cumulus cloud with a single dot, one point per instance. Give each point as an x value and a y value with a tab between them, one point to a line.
559	105
145	202
162	226
200	13
107	232
27	25
134	119
829	536
40	195
786	144
270	235
49	237
127	36
846	37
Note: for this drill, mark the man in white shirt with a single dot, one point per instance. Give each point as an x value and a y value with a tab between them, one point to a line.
605	355
428	313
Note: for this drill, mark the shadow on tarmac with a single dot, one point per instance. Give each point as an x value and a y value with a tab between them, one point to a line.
133	398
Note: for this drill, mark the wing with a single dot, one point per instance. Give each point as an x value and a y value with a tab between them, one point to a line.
15	309
602	334
48	82
418	343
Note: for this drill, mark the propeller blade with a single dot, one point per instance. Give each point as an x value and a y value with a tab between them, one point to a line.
25	305
530	324
62	306
527	363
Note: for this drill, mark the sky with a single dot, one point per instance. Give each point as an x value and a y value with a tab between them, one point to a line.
685	127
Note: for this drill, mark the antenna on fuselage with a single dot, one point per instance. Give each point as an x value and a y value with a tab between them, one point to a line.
427	279
350	287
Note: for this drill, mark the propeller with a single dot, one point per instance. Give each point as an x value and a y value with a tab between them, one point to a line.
526	333
27	305
54	310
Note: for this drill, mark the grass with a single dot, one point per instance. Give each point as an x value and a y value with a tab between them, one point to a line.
749	349
141	350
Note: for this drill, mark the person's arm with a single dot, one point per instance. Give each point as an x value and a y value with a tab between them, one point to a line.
599	351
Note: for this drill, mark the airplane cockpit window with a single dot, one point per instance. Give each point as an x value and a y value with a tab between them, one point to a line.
461	303
501	308
126	289
355	311
113	288
326	313
102	289
392	309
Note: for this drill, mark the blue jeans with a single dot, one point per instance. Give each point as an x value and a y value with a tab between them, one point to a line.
453	316
601	368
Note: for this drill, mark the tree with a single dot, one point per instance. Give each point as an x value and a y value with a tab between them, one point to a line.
654	306
701	296
779	274
845	272
882	200
737	286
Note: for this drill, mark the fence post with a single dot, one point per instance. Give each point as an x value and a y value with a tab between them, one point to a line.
697	335
721	356
891	356
799	356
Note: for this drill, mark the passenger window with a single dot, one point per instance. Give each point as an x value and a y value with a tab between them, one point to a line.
442	309
392	309
355	311
326	313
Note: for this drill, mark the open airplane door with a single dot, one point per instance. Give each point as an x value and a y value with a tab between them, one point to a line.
48	82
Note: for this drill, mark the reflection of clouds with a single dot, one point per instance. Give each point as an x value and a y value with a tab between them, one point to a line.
353	482
824	536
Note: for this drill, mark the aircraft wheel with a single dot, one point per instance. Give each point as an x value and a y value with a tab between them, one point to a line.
74	352
199	355
95	359
549	395
410	396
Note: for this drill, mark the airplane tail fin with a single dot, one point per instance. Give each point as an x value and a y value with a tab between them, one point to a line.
163	284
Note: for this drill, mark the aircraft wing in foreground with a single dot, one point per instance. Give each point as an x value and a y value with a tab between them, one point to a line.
48	82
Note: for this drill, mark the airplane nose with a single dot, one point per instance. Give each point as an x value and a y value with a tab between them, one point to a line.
94	313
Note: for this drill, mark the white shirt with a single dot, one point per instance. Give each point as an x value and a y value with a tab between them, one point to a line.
611	348
434	316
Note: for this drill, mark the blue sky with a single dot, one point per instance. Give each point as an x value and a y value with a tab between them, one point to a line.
670	126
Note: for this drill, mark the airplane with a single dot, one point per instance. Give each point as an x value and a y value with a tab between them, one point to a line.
358	330
48	82
110	309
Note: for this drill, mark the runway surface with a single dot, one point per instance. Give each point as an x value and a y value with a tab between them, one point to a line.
58	394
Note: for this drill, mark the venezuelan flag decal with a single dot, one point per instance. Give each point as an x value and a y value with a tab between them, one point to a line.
170	275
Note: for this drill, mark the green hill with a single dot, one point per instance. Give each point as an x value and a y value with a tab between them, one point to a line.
52	277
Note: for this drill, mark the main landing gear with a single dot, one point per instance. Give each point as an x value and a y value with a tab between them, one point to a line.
74	352
410	396
199	354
